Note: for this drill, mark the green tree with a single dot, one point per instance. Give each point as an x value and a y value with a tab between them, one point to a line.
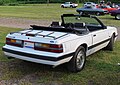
48	1
2	2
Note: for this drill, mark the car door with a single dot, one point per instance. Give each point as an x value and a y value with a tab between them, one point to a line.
67	4
100	39
99	33
100	36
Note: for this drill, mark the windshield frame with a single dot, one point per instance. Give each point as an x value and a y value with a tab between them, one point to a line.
78	15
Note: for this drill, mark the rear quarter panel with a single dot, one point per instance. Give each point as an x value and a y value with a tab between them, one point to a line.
75	41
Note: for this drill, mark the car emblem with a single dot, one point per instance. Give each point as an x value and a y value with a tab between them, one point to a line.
51	41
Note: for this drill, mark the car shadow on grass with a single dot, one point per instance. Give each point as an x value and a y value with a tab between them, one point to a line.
18	71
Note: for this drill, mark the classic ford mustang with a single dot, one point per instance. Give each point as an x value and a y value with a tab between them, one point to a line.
70	41
91	10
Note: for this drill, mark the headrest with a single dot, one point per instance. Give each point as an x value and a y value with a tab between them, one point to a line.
55	23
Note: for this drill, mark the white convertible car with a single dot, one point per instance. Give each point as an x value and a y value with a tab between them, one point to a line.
70	41
69	5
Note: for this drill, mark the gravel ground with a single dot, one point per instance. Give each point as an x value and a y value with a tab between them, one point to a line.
21	23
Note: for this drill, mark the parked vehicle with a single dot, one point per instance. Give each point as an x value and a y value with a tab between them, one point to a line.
86	4
108	8
91	10
69	5
118	5
116	13
69	42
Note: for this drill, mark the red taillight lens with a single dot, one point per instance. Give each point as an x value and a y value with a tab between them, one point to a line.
14	42
49	47
56	46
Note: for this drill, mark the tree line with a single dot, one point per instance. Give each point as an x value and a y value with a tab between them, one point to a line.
2	2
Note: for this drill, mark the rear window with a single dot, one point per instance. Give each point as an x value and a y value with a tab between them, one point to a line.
88	3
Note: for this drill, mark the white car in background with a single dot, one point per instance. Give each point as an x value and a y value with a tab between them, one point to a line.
69	42
69	5
87	4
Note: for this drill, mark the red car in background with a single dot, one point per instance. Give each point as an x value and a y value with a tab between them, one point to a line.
108	8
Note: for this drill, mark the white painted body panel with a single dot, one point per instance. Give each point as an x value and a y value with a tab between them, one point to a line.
69	5
39	60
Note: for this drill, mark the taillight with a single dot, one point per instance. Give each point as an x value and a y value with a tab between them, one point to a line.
14	42
49	47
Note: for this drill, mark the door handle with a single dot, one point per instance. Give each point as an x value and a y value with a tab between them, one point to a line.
94	35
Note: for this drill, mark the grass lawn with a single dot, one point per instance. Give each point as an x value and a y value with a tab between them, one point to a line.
46	12
101	69
42	11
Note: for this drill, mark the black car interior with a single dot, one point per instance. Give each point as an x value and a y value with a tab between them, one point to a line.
77	28
81	27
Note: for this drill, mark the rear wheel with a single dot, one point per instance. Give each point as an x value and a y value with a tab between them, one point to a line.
62	6
71	6
117	16
98	13
77	63
81	13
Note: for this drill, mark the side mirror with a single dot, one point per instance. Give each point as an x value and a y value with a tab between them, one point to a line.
104	27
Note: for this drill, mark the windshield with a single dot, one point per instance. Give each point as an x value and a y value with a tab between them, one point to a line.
78	19
67	2
108	6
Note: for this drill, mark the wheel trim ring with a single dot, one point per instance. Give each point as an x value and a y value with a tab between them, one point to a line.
98	13
118	16
81	13
80	60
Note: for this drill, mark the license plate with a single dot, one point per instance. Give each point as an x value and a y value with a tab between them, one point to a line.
29	45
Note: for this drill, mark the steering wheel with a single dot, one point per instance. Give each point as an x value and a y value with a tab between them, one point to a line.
69	25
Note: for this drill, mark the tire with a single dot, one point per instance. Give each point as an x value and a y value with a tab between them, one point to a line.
98	13
62	6
10	57
77	63
71	6
110	45
117	17
81	13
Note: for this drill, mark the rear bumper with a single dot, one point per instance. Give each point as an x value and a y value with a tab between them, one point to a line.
37	58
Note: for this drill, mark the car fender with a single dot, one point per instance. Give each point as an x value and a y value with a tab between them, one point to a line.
85	40
112	30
